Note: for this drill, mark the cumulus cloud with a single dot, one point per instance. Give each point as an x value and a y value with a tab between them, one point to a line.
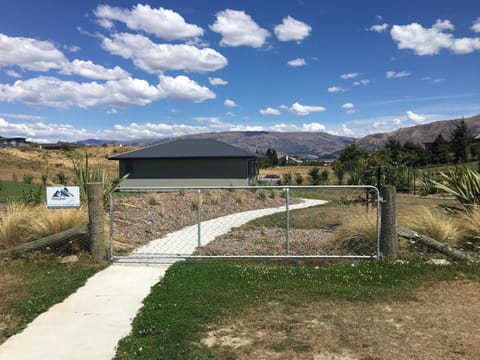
415	117
13	74
30	54
303	110
89	70
349	76
157	58
229	103
43	56
393	74
363	82
335	89
314	126
476	25
56	93
270	111
217	81
239	29
430	41
292	30
348	106
163	23
297	62
379	28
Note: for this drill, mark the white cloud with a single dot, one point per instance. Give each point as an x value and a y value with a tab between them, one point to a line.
229	103
157	58
30	54
348	106
56	93
351	111
415	117
13	74
347	132
217	81
302	110
89	70
379	28
238	29
430	41
163	23
43	56
297	62
393	74
349	75
314	126
292	30
363	82
182	88
335	89
270	111
24	117
476	25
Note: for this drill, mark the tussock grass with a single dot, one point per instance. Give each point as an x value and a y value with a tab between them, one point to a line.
25	223
470	225
358	233
433	223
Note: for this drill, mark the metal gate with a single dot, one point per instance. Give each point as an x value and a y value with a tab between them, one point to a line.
151	224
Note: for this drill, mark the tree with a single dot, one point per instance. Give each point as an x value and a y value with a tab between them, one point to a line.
415	154
441	150
460	140
271	154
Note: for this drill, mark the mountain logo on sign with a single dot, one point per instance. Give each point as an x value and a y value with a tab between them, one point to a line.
62	194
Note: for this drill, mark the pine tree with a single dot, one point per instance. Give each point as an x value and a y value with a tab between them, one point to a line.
441	150
460	140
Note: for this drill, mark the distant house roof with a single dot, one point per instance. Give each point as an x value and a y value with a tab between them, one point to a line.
186	148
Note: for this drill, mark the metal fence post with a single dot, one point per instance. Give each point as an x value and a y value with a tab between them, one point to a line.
199	219
110	234
96	218
388	236
287	220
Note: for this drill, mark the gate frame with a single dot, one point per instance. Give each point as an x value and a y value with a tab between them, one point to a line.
286	188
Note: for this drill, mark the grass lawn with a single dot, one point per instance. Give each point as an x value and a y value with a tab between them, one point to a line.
193	295
30	287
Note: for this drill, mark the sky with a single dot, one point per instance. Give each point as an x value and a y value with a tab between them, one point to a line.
73	70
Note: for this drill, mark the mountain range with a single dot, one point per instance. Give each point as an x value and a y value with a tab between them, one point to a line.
316	145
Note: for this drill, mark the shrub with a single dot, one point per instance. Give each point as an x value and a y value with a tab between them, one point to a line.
298	179
61	178
287	179
27	178
272	194
469	222
464	184
261	195
152	200
215	199
314	174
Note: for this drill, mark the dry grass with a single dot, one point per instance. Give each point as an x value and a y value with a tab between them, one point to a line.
358	233
469	222
24	223
434	223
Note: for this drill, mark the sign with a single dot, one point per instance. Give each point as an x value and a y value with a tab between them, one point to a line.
61	197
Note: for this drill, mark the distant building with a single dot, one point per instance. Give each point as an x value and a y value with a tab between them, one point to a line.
187	162
11	142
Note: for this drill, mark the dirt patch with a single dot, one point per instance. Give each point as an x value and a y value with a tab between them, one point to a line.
441	322
271	241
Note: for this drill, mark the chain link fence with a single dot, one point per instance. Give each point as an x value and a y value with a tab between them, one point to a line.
237	222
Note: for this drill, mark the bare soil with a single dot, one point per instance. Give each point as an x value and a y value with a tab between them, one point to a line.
441	321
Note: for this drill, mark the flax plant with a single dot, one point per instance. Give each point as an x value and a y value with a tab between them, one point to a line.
464	184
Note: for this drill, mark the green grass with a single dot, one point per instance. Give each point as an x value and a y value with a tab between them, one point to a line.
13	191
178	310
30	287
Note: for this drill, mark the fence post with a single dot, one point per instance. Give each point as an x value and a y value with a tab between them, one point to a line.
287	221
388	236
96	218
199	222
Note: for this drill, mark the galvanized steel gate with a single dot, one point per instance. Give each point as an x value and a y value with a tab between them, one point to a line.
204	222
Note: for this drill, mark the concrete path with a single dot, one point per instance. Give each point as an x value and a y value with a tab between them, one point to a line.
90	322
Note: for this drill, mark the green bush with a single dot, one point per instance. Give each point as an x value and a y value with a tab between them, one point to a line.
27	178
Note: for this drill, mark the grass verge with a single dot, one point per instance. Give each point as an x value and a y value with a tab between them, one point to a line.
30	287
13	191
177	312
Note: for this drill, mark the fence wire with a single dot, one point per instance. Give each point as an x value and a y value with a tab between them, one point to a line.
262	221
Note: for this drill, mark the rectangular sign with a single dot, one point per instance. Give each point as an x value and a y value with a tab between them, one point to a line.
63	197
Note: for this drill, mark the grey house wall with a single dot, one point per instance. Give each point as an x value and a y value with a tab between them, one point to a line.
186	172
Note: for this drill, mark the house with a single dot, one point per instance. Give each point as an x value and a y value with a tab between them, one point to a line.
187	162
12	142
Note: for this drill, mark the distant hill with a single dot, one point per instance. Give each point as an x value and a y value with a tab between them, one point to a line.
424	133
313	145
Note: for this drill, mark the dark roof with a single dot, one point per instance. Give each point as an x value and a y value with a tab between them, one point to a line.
186	148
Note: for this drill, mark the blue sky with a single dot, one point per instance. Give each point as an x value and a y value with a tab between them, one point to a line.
72	70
